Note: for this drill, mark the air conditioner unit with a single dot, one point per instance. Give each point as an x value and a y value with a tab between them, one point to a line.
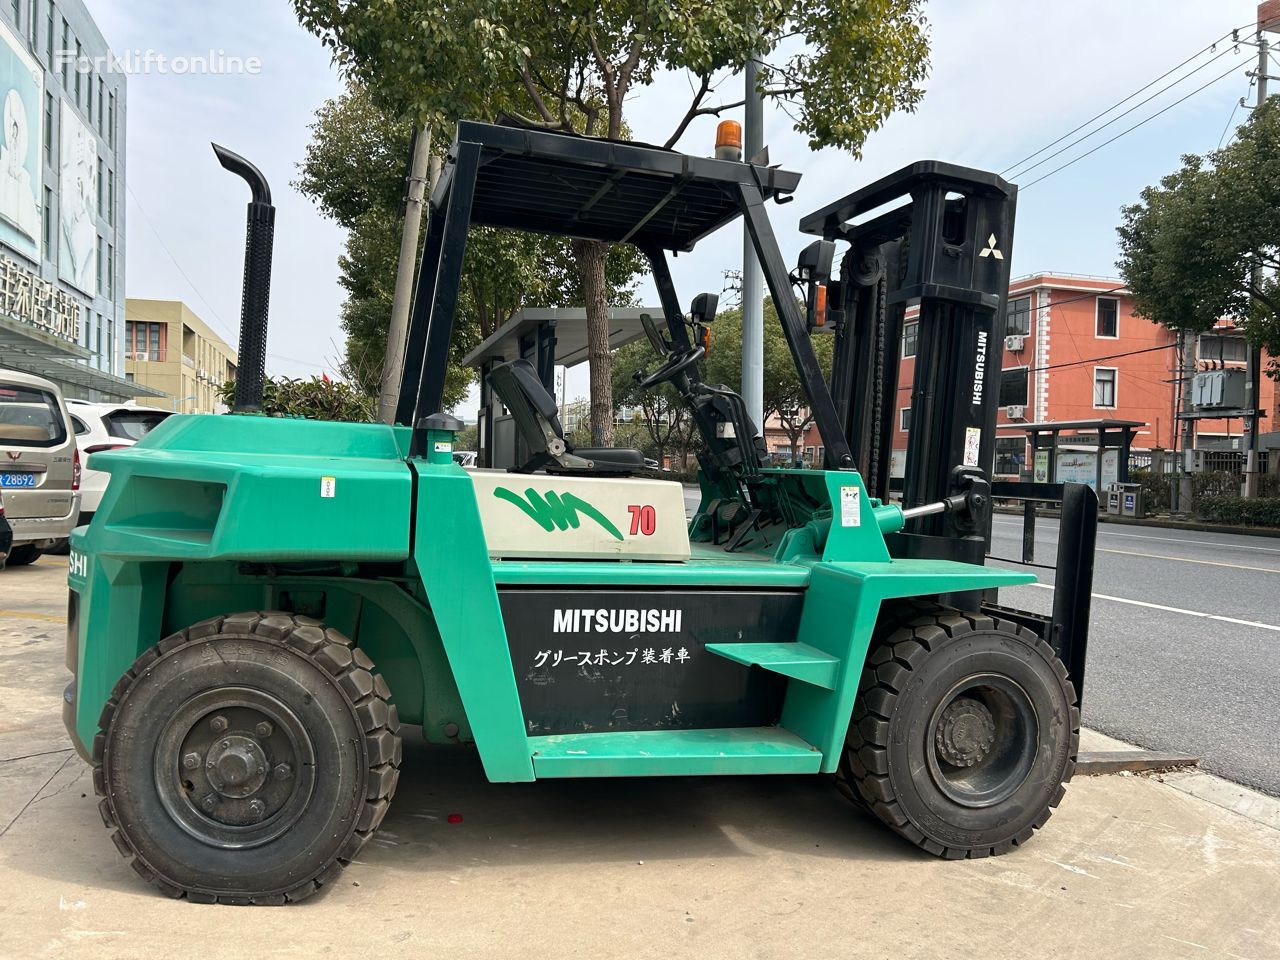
1015	411
1015	343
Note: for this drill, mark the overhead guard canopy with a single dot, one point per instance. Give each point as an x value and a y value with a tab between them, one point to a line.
598	189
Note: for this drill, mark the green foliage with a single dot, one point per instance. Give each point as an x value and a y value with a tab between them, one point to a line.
354	170
1157	489
855	63
664	419
1254	512
468	439
1188	246
784	394
1214	483
315	399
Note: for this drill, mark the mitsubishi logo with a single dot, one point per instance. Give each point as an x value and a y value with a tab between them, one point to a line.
990	249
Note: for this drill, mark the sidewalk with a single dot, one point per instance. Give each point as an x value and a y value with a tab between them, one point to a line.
1129	866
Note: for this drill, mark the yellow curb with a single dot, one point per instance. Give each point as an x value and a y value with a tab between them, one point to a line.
24	615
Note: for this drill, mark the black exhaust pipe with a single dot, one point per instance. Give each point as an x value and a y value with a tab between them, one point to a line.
259	239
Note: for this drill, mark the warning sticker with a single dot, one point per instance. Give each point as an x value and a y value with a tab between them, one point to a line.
972	441
850	509
443	446
328	487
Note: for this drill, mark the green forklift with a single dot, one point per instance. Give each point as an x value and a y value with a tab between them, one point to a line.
260	603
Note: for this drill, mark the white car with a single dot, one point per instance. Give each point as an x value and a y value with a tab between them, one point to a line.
106	426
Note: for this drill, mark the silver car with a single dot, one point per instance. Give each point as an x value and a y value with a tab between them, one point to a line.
39	465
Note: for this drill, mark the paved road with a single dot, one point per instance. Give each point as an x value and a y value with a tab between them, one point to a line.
1184	642
1185	646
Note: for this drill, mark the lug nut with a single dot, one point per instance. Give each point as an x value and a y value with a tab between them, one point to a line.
257	808
218	724
263	729
191	761
283	771
209	803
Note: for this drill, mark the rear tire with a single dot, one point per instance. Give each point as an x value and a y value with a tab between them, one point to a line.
23	555
246	759
964	733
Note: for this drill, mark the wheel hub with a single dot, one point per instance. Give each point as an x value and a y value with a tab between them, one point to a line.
237	766
234	767
965	733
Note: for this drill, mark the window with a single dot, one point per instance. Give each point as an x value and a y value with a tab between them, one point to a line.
111	120
79	75
111	344
48	128
102	265
1104	386
1013	387
1108	321
1227	348
1011	456
48	40
78	425
102	189
30	417
910	336
111	271
1017	319
904	419
66	45
111	197
144	341
17	13
33	32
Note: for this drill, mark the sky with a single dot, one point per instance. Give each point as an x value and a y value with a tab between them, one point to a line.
1006	78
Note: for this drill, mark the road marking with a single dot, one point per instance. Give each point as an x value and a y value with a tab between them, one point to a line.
1140	536
1160	606
1210	563
24	615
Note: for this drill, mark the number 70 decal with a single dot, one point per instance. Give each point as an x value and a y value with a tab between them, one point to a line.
644	519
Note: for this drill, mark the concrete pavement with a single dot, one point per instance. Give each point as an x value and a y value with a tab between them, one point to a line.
707	867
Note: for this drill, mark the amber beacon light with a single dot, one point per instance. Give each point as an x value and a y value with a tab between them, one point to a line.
729	140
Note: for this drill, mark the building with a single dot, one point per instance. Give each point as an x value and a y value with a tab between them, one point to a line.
173	353
1074	350
62	177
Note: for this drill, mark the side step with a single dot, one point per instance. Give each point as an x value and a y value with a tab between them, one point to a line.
796	660
673	753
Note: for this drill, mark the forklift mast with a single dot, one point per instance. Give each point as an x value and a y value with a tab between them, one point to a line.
947	252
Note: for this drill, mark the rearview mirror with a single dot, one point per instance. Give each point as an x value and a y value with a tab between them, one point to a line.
704	306
816	260
660	346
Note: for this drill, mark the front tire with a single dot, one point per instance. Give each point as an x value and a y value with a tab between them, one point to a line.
246	759
964	733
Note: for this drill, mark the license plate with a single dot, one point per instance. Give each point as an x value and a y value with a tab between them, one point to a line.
17	479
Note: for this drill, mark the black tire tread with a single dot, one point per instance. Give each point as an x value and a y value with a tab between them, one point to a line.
903	639
367	691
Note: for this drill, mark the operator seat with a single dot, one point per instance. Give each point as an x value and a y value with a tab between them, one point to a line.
538	420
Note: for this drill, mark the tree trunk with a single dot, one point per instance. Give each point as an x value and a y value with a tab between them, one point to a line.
589	255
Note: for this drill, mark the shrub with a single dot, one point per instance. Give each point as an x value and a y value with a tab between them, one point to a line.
1257	512
1155	489
1215	483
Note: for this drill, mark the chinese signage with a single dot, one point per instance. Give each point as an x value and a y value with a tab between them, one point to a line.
32	300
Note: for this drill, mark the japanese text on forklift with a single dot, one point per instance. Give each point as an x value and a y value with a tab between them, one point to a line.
240	674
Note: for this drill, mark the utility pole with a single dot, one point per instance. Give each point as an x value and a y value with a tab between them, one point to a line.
393	365
752	287
1253	369
1187	461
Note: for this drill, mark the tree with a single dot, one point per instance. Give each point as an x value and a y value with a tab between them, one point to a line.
845	67
354	169
784	394
1187	249
663	415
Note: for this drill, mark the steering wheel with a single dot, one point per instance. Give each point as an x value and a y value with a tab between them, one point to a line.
676	364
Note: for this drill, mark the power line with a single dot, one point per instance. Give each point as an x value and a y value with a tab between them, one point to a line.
196	290
1099	116
1119	116
1129	130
